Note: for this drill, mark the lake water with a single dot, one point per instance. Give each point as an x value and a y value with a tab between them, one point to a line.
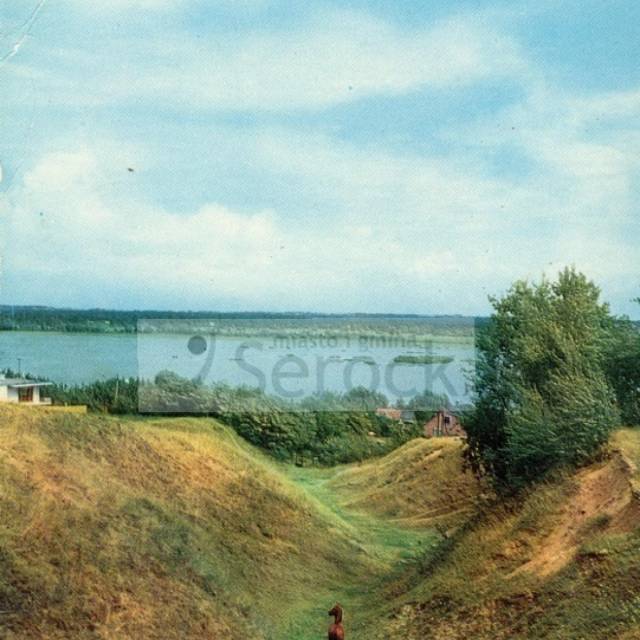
289	368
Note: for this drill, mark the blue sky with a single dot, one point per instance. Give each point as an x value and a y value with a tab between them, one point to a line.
333	156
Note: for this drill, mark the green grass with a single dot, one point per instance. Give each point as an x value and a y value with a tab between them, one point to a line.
388	548
177	528
492	583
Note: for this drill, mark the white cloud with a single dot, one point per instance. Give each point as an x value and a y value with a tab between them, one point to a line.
409	234
333	58
604	107
388	230
105	6
61	231
123	5
583	152
60	170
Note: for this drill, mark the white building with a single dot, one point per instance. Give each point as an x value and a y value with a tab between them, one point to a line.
23	391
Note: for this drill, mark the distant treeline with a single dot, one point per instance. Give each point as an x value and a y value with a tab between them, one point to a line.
39	318
34	318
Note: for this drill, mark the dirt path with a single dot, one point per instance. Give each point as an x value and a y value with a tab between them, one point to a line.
604	492
386	550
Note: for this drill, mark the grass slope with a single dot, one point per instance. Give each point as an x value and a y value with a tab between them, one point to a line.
563	563
421	485
175	528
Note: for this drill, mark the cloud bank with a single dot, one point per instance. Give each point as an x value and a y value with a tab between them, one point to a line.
336	161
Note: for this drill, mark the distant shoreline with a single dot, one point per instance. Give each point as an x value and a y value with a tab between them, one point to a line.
424	340
238	324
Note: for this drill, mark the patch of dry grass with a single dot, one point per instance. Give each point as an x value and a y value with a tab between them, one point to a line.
561	563
421	484
176	528
152	529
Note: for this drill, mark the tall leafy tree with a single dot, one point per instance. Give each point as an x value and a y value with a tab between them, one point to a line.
623	367
542	396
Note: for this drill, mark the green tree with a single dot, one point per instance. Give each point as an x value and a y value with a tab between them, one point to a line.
623	367
542	396
425	404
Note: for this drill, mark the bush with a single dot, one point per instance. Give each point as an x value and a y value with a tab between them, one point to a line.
327	429
117	395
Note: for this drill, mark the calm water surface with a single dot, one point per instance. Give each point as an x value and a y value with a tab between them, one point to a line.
290	369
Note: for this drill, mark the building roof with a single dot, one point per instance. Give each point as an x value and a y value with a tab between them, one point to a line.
393	413
389	412
22	382
451	412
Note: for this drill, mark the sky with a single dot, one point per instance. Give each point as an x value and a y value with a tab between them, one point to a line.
407	156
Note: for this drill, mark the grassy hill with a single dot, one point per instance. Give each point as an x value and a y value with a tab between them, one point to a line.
173	528
561	563
176	528
421	484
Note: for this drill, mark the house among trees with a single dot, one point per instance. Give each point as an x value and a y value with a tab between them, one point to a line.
23	391
444	423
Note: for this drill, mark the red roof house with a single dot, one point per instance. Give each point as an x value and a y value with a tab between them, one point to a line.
444	423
